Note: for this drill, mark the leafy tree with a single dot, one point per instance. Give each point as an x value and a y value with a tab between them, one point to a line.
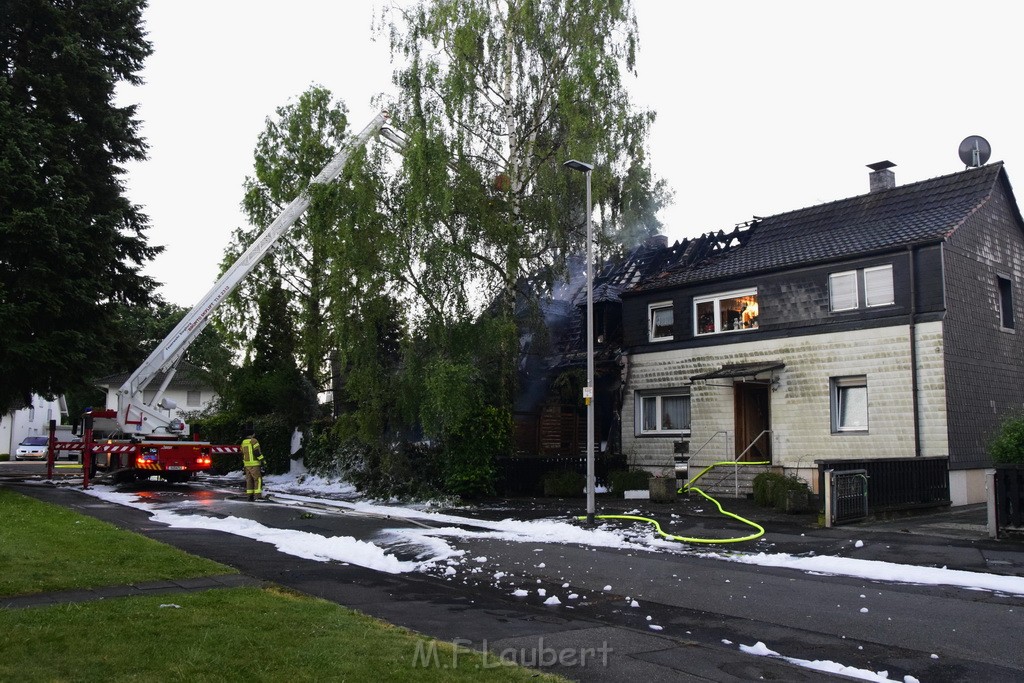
269	382
494	96
71	245
1007	445
293	148
330	267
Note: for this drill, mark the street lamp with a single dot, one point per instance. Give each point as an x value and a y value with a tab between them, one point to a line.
588	391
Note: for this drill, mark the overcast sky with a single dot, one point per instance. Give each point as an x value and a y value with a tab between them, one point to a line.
763	107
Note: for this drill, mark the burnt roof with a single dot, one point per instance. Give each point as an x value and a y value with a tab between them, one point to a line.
922	212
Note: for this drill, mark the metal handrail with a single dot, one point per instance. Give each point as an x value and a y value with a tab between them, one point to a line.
751	445
697	452
736	460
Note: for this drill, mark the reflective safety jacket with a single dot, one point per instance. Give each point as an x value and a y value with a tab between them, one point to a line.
251	453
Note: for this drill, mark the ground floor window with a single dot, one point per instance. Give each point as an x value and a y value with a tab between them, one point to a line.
849	404
663	412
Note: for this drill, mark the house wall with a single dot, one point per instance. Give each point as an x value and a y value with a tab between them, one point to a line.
800	405
984	364
18	424
795	301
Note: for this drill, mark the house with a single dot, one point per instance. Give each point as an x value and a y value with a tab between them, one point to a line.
883	326
190	389
31	420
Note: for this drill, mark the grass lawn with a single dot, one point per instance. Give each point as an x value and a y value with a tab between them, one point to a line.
45	547
248	634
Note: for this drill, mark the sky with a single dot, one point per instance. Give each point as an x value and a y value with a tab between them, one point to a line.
441	541
762	107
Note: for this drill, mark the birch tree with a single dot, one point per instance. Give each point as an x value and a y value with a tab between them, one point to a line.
497	94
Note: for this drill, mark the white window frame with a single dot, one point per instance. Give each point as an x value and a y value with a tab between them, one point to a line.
652	310
717	299
838	387
850	289
198	398
839	289
659	396
890	299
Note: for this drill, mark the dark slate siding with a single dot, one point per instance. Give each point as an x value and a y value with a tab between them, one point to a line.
928	270
984	364
797	302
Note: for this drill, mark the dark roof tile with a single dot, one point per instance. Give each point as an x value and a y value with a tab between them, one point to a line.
929	210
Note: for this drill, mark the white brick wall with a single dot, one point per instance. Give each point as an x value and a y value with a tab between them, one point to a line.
800	405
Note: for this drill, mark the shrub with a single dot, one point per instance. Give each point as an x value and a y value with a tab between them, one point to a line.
771	489
471	449
629	480
1008	445
564	484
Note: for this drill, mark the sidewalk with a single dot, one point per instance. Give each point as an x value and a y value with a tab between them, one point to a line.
956	538
76	595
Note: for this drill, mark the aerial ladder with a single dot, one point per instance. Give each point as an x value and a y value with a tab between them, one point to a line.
143	440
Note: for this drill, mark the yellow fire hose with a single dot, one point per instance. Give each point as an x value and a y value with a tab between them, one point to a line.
690	487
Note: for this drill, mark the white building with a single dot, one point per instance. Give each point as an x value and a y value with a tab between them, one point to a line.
190	389
32	420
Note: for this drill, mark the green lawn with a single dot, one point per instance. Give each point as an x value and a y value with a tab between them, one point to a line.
45	547
248	634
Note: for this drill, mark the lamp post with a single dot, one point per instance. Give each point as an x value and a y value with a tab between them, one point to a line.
588	391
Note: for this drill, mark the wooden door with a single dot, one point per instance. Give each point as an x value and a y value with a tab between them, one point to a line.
753	421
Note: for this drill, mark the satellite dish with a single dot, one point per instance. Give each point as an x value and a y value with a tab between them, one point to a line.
975	151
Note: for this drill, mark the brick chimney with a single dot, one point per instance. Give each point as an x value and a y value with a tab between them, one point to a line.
881	178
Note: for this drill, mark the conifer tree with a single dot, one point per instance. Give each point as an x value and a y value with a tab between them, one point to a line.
71	244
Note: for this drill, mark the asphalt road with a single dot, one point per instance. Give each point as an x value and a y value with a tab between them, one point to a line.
705	608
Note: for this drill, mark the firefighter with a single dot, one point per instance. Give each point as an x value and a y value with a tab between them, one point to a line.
252	462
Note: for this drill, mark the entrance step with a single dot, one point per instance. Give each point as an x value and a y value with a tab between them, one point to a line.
729	481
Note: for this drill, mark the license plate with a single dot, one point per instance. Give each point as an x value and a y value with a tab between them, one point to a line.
176	467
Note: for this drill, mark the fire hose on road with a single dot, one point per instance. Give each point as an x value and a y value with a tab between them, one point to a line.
689	486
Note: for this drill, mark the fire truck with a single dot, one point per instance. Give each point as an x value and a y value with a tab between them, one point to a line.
139	439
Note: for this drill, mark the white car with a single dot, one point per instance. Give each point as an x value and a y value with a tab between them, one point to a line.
32	448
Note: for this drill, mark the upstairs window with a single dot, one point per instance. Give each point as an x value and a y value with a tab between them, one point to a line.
194	399
660	321
865	288
878	290
726	312
842	290
1005	302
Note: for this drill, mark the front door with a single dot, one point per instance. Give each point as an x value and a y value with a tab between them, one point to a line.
752	422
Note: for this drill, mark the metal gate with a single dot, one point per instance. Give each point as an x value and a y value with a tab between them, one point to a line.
846	496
